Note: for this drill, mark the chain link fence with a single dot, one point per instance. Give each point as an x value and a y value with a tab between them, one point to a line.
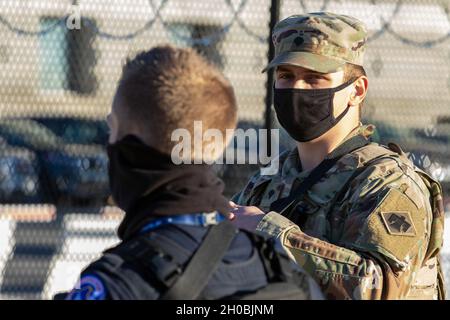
60	63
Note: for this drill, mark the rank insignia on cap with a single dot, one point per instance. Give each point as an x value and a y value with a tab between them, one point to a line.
399	223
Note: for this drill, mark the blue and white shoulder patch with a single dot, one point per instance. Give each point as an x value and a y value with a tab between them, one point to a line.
90	287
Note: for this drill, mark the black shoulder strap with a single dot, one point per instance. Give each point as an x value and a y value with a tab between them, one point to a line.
203	263
285	204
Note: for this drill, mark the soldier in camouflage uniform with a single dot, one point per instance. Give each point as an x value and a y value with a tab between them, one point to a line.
372	226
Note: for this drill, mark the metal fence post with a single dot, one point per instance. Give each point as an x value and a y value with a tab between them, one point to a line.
274	17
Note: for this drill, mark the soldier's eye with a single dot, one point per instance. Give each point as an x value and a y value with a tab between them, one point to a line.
312	78
284	76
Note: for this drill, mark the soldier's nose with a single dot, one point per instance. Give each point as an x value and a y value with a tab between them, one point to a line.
301	84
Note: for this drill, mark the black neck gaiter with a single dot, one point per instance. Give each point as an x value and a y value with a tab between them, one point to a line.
146	184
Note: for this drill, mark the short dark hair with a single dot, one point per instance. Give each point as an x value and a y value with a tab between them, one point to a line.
168	88
352	71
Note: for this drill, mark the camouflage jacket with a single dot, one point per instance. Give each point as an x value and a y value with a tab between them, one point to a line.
366	230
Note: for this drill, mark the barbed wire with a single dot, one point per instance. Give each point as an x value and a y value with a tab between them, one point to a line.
133	34
223	31
424	44
206	40
22	32
386	24
214	36
100	33
243	26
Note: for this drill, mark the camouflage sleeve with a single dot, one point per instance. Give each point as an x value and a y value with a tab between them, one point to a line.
381	250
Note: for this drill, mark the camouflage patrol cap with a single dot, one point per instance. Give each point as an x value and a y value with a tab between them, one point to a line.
320	41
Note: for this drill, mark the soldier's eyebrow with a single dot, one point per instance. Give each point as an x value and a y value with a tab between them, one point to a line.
282	69
316	73
325	76
305	72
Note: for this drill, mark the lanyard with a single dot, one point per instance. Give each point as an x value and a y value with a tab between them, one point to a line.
192	219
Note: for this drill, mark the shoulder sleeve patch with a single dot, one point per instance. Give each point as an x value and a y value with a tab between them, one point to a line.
396	229
90	287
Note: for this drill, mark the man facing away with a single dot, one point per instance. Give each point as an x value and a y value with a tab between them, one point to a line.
358	216
176	242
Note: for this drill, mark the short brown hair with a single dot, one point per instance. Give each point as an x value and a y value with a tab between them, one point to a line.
352	71
168	88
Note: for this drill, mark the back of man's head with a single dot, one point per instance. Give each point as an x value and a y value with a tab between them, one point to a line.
168	88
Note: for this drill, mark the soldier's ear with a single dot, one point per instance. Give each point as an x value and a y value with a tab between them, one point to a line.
359	90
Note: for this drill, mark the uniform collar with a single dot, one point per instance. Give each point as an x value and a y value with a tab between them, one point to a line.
292	166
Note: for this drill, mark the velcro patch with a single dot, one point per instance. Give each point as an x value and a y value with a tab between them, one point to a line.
398	223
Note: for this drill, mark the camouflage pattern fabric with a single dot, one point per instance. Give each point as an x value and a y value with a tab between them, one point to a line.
321	41
375	235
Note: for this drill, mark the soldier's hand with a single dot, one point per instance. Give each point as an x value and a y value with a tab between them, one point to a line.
244	217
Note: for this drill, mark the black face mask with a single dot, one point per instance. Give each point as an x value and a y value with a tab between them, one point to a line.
306	114
145	183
